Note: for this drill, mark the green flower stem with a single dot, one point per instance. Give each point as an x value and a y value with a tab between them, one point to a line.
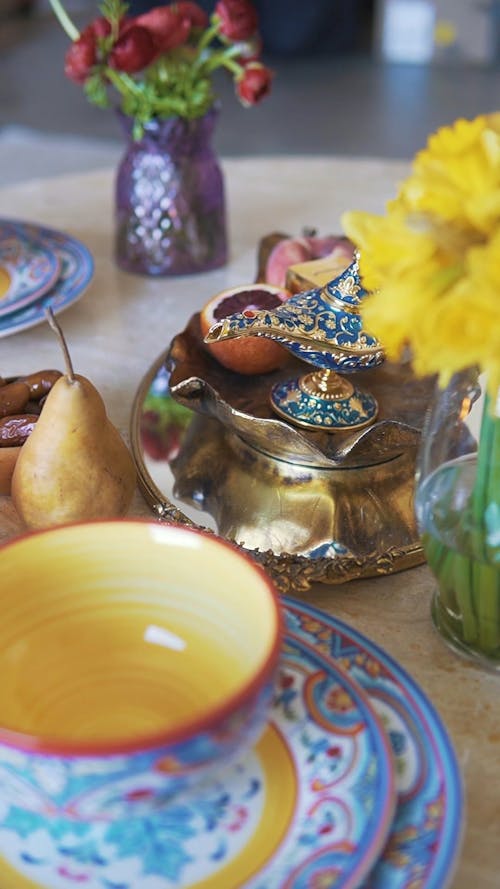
493	505
452	571
224	61
486	585
453	574
209	35
469	581
233	50
64	20
468	570
223	58
486	576
123	83
481	493
463	585
435	554
446	571
170	105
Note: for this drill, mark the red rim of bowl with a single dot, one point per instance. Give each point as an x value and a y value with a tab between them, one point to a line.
55	747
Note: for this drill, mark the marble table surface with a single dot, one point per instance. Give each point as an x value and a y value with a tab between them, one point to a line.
123	322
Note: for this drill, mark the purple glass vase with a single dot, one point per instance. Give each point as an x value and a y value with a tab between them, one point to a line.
170	202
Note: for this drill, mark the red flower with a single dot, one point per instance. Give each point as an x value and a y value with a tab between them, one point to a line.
238	19
83	53
254	84
133	51
98	28
197	16
81	58
151	45
166	27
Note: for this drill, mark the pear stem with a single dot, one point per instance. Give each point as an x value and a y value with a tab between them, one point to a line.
57	330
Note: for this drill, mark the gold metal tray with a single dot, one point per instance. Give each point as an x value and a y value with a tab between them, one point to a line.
308	508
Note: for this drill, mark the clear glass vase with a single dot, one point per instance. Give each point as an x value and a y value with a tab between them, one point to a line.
169	199
458	515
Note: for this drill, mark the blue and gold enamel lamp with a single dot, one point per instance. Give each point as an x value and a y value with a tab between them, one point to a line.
322	327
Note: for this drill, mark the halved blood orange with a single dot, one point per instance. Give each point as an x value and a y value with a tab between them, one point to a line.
245	355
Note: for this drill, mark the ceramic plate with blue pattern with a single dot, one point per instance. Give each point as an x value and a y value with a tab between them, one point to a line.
28	267
425	838
75	271
311	805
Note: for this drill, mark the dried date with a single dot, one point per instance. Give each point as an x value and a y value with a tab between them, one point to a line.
41	382
13	398
14	430
21	402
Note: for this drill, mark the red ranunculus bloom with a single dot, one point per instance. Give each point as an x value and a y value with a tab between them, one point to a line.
238	18
133	51
99	28
196	15
172	52
254	84
166	26
81	58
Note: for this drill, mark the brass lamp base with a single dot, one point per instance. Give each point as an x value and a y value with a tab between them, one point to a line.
323	400
309	508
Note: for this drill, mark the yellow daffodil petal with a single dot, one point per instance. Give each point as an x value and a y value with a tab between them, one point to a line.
432	261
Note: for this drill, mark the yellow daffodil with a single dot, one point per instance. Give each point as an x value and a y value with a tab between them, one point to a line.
461	186
432	262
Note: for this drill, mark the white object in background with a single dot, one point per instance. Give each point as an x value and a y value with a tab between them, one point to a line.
476	27
407	30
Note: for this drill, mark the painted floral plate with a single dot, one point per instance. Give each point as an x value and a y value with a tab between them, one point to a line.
28	267
311	806
76	271
425	838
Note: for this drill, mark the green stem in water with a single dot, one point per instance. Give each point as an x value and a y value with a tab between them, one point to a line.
453	573
463	586
485	501
446	573
492	513
481	491
64	20
434	553
486	585
469	573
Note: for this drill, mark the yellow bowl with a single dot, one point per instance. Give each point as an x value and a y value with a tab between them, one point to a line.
134	657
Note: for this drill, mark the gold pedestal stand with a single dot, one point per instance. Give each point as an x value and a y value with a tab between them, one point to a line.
309	506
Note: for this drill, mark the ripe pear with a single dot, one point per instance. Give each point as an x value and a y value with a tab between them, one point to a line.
74	466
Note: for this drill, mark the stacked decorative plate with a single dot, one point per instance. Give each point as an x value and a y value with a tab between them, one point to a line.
353	784
39	267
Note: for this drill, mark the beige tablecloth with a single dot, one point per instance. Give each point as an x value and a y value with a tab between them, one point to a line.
123	322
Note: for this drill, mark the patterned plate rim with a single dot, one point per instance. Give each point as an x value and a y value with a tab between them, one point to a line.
447	853
379	827
35	244
386	811
66	289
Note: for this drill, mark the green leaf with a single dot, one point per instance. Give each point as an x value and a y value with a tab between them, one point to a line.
113	10
96	91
